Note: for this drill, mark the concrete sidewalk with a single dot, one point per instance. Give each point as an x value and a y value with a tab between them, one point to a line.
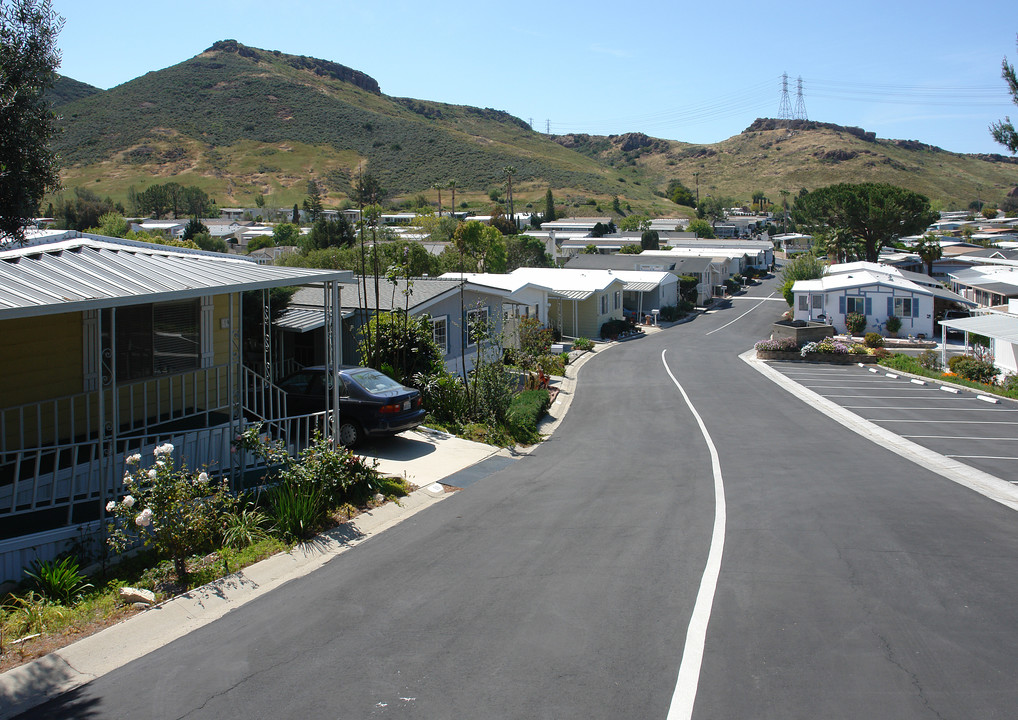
424	457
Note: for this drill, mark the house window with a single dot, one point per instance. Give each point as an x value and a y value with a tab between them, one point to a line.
618	299
440	333
477	325
903	307
818	302
804	303
604	304
855	305
156	339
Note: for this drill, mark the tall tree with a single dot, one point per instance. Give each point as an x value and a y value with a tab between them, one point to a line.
526	251
295	215
876	213
452	187
549	207
28	62
1003	131
313	202
507	172
438	186
194	227
711	209
650	240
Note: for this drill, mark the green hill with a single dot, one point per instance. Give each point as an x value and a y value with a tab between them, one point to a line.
241	122
67	90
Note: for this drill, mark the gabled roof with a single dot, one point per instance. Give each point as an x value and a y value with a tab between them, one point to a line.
86	274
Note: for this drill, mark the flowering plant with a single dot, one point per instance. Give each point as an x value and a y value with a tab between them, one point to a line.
785	344
175	511
826	346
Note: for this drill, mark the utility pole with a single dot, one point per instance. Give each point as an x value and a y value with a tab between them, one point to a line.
697	176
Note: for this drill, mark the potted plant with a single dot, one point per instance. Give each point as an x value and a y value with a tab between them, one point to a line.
893	325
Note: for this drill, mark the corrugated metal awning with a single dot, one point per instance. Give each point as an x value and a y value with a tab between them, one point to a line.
999	327
303	319
86	274
571	294
640	286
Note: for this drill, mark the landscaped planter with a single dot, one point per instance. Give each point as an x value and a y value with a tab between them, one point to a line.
833	358
801	332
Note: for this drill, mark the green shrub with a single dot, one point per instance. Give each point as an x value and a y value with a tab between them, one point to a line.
583	344
59	580
855	323
245	526
873	340
670	313
525	410
299	510
444	396
929	360
970	368
903	363
613	328
893	323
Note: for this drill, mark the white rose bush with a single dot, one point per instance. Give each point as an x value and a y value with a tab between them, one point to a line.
177	512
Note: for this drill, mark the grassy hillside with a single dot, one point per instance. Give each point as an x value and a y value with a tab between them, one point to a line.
239	121
769	157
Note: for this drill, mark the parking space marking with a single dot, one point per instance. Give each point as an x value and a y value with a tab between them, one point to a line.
981	457
941	422
962	437
951	408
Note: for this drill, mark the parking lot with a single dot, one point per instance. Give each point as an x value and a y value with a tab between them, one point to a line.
982	433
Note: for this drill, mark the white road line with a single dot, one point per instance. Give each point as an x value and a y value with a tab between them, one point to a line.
741	316
983	457
681	707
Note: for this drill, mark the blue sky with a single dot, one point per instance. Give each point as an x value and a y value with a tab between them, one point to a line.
927	71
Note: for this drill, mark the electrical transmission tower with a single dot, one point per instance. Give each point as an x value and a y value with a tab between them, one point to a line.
785	108
800	101
547	127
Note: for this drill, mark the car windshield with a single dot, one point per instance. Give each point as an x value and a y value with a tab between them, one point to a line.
374	381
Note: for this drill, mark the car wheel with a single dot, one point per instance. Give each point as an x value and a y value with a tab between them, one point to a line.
349	434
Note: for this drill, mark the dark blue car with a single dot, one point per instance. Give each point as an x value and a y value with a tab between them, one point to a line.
371	404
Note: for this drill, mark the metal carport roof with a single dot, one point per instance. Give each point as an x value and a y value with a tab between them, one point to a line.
87	274
999	327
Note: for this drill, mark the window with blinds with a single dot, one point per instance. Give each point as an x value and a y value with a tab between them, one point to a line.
156	339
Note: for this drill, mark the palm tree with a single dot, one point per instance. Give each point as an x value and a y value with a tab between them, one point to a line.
438	186
928	249
452	186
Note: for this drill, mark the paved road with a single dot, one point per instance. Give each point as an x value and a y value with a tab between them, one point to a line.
852	583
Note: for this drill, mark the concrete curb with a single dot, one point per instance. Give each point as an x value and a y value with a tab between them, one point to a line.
989	486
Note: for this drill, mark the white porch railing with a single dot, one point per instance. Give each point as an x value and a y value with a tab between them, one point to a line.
143	405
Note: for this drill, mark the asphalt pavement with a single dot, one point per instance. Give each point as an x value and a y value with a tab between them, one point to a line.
853	580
